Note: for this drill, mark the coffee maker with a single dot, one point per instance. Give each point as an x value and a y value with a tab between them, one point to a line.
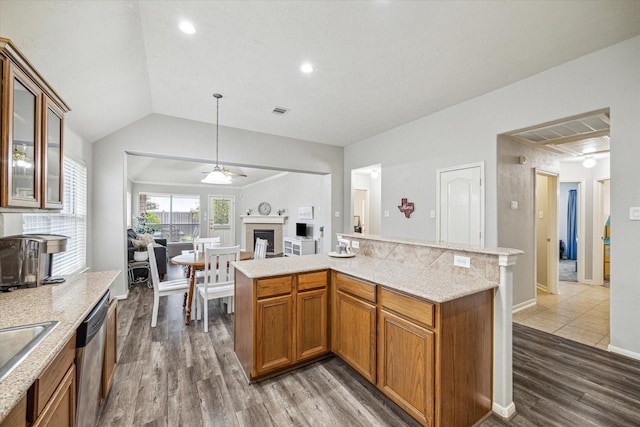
26	260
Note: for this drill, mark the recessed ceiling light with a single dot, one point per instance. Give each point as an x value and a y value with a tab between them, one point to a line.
306	68
187	27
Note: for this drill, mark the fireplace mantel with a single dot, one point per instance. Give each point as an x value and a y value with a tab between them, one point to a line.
250	223
263	219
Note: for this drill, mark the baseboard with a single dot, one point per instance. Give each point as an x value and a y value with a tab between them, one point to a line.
121	297
623	352
523	305
543	288
504	412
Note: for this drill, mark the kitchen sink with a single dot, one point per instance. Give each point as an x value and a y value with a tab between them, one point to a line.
18	341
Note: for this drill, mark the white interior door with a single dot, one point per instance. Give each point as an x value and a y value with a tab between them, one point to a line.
221	219
460	204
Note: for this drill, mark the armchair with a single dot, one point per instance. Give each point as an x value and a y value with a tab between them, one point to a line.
159	251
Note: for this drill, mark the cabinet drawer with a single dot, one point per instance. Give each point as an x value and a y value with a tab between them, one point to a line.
414	309
356	287
314	280
44	386
274	286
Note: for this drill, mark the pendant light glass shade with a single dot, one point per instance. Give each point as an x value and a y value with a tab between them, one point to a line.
217	176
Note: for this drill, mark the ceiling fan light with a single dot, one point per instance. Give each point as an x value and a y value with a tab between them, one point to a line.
589	162
216	177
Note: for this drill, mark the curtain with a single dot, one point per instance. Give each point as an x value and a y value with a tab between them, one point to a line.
572	226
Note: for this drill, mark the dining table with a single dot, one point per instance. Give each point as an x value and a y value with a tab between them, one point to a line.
194	261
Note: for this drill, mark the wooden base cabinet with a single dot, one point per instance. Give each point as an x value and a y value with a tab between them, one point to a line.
274	324
51	400
281	322
354	324
406	366
110	360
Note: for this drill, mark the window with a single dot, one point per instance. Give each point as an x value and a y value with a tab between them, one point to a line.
174	217
71	221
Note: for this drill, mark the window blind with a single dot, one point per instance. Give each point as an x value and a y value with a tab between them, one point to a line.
71	221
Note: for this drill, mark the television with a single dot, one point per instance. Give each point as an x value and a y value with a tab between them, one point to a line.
301	229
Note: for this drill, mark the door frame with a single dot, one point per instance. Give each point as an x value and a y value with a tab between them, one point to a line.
553	254
439	172
598	231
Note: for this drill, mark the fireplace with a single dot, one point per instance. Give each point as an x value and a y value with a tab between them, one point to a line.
267	235
263	223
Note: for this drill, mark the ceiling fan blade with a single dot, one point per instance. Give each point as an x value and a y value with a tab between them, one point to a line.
229	173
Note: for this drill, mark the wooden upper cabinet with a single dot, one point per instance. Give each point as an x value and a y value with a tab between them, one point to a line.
22	140
32	134
53	125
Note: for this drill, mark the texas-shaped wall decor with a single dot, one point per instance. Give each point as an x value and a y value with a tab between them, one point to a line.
406	207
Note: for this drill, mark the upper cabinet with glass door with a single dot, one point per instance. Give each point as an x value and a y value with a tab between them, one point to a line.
32	123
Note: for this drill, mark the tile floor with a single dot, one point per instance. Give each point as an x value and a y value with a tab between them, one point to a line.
580	313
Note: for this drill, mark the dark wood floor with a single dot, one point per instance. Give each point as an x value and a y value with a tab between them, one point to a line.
176	375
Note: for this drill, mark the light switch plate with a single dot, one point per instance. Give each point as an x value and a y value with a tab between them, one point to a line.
634	213
386	214
462	261
514	204
355	244
541	214
432	214
337	214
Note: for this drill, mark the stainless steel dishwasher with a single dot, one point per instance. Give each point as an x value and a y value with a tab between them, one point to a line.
89	356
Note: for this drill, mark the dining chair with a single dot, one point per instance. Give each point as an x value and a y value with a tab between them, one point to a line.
199	245
219	280
161	289
260	250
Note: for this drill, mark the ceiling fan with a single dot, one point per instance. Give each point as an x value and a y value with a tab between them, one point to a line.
219	175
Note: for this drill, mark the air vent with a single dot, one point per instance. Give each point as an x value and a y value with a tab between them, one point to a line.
279	111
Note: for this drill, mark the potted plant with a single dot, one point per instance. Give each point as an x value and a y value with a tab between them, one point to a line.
141	253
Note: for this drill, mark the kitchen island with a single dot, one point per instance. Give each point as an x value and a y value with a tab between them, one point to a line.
68	303
399	313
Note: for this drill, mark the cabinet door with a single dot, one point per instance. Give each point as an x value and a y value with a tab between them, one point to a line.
312	324
21	183
355	328
52	125
406	366
274	333
110	360
61	408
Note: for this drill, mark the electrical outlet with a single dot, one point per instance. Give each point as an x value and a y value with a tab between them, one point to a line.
355	244
462	261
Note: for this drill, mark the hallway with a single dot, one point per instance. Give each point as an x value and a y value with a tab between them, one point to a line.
580	313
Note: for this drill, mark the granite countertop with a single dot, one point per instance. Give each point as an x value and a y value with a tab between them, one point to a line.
432	285
69	303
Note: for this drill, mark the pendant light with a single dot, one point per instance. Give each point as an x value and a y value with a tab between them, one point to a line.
217	176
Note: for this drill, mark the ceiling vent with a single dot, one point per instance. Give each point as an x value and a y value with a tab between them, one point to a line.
279	111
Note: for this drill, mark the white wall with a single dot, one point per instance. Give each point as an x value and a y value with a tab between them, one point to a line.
169	136
466	133
290	191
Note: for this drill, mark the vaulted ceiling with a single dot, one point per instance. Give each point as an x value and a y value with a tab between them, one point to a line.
378	64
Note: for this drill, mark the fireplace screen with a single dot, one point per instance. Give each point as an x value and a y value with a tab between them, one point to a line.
267	235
